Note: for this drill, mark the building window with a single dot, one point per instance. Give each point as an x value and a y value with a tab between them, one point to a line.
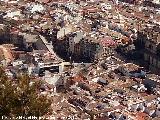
146	57
155	62
158	64
150	47
151	62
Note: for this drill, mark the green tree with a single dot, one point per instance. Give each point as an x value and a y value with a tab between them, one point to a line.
21	97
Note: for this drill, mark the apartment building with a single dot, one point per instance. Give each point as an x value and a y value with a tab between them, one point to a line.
150	42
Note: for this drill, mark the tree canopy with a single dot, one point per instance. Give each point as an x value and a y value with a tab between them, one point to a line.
21	97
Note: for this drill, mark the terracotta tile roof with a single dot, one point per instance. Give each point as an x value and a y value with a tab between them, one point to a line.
90	9
1	54
7	53
78	78
149	97
108	41
141	116
43	1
